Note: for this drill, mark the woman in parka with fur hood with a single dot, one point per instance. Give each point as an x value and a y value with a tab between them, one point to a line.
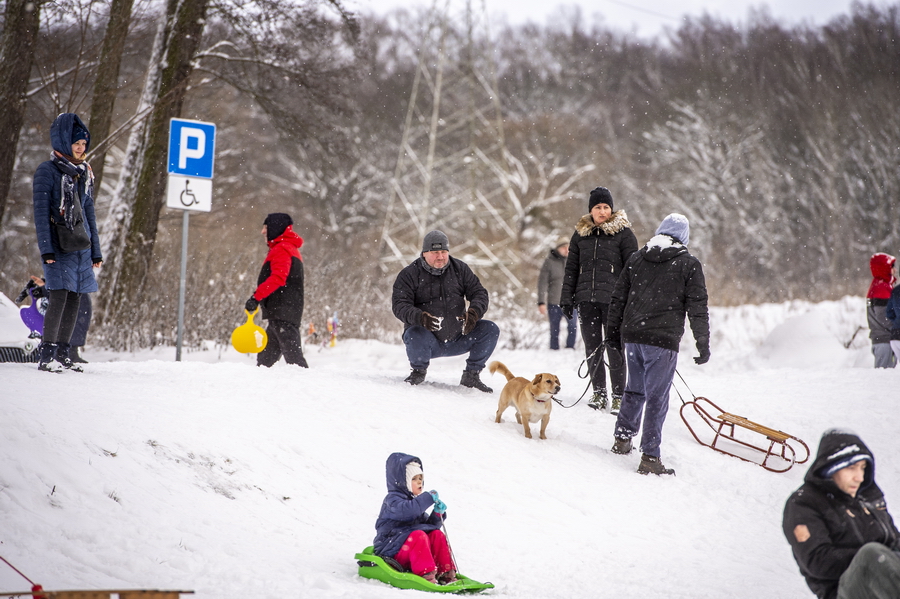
602	243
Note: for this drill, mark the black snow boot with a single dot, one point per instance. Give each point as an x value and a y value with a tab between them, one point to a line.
416	376
47	358
75	354
471	379
62	356
653	465
622	446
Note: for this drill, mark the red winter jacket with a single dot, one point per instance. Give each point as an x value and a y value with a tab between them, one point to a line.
883	280
280	284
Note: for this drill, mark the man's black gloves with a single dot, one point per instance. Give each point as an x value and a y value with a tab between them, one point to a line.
251	305
431	322
568	310
703	348
470	321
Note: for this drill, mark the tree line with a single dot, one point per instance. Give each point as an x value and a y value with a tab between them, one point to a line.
781	145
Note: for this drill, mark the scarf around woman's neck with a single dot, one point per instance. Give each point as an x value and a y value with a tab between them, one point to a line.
72	170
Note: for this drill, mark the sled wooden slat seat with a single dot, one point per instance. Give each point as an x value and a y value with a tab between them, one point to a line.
780	448
112	594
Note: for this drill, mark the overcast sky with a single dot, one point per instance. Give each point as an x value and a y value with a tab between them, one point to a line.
646	17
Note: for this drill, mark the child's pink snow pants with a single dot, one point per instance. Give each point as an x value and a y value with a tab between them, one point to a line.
426	552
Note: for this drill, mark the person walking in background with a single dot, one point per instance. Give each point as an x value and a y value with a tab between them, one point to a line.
550	283
429	298
883	280
602	243
280	292
67	236
892	311
837	523
660	284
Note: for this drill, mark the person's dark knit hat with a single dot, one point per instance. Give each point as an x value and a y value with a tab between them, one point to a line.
846	450
435	241
600	195
276	224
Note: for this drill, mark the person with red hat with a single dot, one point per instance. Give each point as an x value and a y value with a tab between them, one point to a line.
883	280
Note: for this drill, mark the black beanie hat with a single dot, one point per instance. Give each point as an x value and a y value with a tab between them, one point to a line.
276	223
600	195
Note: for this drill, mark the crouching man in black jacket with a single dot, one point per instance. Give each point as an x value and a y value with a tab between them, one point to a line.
837	523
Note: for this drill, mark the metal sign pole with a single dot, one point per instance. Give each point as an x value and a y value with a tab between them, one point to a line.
181	285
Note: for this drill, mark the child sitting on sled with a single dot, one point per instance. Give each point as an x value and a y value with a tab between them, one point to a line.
405	532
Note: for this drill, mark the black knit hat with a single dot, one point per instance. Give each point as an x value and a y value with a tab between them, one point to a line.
276	223
600	195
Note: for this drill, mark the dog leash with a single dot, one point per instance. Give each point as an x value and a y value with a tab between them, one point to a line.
587	375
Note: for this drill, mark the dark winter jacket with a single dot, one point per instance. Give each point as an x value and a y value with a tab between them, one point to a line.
550	280
877	297
401	511
597	254
892	311
417	290
71	270
280	284
825	526
659	285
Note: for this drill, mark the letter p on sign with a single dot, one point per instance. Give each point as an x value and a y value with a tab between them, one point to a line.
192	148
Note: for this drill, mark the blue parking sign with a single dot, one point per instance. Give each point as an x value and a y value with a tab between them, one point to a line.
192	147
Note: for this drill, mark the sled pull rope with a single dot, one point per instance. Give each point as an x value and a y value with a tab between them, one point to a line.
37	589
587	375
686	387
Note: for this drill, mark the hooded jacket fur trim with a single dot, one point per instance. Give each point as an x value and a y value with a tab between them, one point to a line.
617	222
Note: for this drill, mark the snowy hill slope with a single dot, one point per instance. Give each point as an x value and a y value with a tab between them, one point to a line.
216	476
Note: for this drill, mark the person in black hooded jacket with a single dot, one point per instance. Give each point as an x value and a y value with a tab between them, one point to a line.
280	292
660	284
841	534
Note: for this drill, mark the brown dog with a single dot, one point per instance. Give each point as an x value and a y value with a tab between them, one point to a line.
532	399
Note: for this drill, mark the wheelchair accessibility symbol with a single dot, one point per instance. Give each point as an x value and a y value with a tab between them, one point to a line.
187	196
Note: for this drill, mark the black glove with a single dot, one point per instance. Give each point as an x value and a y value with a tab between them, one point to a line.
252	304
431	322
470	321
21	297
614	340
568	310
703	348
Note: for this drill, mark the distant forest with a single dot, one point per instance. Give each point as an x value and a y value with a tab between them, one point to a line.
780	144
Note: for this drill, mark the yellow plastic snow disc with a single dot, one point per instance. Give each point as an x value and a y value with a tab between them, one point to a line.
249	338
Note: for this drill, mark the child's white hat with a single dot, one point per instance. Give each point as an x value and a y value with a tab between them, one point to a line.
412	469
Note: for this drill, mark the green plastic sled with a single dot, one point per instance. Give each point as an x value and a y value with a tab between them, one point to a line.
372	566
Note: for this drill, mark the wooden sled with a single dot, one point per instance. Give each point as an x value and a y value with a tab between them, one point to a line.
784	448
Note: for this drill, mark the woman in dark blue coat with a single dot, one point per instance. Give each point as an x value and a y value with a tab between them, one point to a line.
67	235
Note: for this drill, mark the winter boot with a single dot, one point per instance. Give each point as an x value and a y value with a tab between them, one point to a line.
616	404
416	376
653	465
448	577
622	446
75	354
430	577
62	356
47	358
599	400
471	379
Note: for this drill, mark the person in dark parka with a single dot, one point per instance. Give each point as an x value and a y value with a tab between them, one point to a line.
550	281
67	235
660	284
280	292
837	523
405	531
602	243
429	298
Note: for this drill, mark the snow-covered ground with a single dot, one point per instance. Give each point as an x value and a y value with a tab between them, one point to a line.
215	476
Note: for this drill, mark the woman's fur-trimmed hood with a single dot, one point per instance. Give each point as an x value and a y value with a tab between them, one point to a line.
617	222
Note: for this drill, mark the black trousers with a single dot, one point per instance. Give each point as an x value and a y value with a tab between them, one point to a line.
59	321
284	339
593	320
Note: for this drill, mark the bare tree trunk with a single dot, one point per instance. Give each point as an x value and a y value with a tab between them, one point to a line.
184	31
22	20
107	83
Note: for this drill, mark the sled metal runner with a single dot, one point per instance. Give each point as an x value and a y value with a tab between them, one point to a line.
375	567
785	449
